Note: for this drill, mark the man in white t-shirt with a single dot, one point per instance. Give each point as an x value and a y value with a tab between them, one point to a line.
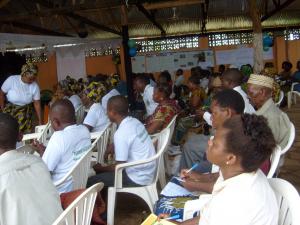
131	143
67	145
142	85
27	194
111	93
96	120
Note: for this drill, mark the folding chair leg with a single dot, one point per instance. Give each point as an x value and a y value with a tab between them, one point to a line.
289	99
111	201
162	175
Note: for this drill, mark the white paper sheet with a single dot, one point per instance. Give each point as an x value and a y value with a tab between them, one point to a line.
173	189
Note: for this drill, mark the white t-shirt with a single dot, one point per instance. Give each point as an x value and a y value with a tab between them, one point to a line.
76	101
27	194
106	97
96	118
19	93
179	80
246	199
65	147
148	100
132	143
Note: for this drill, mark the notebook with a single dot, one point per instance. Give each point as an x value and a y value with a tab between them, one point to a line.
152	220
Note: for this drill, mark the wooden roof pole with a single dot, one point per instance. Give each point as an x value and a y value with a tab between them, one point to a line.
257	36
171	4
126	57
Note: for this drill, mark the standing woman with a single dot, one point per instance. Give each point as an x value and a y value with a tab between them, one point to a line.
22	92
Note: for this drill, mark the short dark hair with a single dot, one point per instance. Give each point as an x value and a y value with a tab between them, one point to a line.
179	71
250	138
9	131
164	88
119	104
166	75
233	75
143	78
194	79
65	109
230	99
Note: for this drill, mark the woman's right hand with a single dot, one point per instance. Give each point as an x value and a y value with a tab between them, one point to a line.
184	174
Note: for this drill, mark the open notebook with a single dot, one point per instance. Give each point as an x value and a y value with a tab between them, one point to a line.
152	220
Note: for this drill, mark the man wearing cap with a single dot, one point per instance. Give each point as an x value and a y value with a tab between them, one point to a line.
259	88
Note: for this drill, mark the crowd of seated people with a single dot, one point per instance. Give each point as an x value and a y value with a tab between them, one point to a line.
209	105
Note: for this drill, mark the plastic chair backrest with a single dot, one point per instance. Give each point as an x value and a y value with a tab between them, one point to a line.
161	146
281	96
275	157
80	114
80	211
291	139
79	172
102	142
288	201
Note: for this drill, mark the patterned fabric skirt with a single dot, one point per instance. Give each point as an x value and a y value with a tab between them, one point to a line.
23	114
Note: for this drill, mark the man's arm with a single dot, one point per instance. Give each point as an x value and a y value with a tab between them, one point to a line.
154	127
101	169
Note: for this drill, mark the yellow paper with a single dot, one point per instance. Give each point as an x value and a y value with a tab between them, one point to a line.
152	220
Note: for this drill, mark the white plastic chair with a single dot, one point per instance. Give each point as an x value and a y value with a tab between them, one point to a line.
292	95
101	141
288	201
162	172
41	134
147	193
275	157
80	211
80	114
281	96
79	173
288	146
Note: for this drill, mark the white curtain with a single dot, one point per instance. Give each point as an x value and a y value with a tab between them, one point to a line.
70	61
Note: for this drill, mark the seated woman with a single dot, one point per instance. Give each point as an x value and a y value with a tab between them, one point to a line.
197	96
241	194
96	119
164	112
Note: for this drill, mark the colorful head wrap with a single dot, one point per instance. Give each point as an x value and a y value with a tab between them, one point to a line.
261	80
95	91
113	80
71	85
29	68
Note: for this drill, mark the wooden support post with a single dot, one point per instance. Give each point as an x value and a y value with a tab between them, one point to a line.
257	36
128	66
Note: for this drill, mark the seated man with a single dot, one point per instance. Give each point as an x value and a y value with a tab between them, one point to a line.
131	143
260	93
225	104
67	144
27	194
142	85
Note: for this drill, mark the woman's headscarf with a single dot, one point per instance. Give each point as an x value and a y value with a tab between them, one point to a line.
71	85
29	68
113	80
95	91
